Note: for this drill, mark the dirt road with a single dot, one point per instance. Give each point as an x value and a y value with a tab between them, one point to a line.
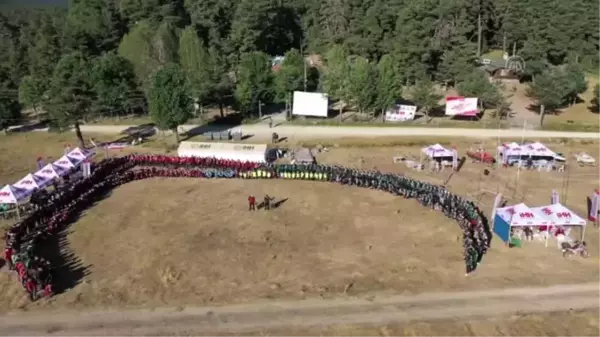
308	313
299	132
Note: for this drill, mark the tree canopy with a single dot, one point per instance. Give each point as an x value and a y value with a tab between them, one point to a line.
169	98
224	48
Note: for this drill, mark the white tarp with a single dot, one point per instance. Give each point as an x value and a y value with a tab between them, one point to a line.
520	216
437	151
401	113
310	104
559	215
461	106
12	195
232	151
29	183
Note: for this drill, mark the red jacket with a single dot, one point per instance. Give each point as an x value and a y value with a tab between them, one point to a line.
251	200
8	254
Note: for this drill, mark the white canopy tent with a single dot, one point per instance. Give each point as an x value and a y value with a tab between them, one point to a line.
64	163
513	152
559	215
77	155
12	195
519	215
538	149
49	173
29	183
437	151
228	151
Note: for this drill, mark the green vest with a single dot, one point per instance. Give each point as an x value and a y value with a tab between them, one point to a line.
244	174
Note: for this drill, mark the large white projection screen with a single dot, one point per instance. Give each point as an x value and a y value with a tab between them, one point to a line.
310	104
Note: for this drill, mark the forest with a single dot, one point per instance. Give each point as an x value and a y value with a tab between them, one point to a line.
167	57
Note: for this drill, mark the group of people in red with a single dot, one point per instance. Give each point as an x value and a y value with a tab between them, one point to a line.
162	160
22	241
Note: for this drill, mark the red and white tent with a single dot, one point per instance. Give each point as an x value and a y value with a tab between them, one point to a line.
12	195
513	149
521	216
64	163
559	215
29	183
78	155
541	150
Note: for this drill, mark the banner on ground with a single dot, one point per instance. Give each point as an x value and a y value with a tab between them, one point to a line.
461	106
401	113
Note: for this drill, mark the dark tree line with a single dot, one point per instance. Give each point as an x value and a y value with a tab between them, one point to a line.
101	56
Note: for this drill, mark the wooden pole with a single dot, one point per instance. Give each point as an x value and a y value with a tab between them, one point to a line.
479	32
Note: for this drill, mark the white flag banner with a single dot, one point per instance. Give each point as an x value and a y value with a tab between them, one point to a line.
454	159
497	202
401	113
461	106
555	197
86	169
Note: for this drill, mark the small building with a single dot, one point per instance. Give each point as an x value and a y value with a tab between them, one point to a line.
497	70
256	153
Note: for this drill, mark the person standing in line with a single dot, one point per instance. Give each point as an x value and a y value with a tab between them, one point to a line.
267	202
251	203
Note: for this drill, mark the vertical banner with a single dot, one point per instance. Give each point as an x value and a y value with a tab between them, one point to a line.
454	159
594	207
497	202
555	198
86	169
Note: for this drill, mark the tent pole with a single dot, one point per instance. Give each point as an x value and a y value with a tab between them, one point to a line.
18	212
583	232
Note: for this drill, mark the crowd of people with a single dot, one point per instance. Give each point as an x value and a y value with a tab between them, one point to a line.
61	206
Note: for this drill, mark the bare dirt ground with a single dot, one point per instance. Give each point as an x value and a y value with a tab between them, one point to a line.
310	314
183	243
523	106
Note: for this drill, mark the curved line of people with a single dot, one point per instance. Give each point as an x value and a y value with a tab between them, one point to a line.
23	251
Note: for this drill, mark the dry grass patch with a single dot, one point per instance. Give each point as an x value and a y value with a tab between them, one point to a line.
580	324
